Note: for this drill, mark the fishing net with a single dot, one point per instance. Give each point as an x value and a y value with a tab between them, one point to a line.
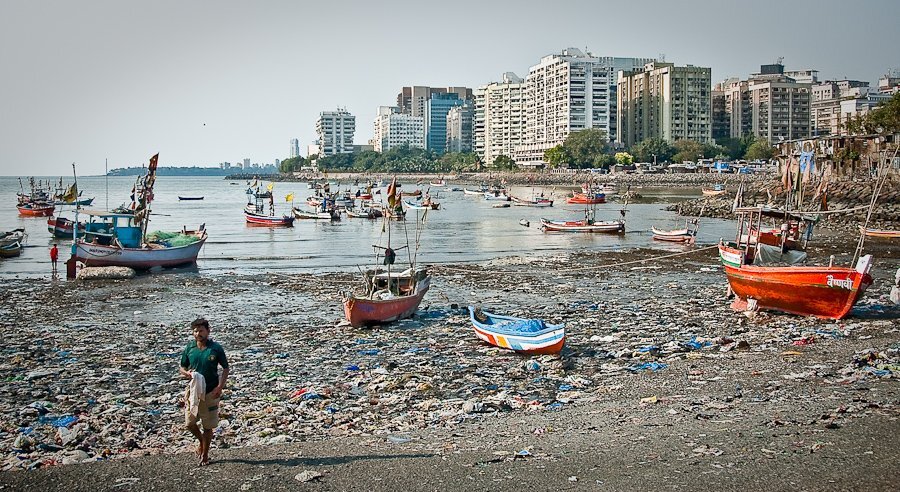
171	239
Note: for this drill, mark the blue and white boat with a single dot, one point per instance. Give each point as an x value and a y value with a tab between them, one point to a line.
527	336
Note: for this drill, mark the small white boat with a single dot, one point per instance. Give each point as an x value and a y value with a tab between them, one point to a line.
500	205
525	223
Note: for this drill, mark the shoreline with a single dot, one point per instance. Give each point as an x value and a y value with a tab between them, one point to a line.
428	379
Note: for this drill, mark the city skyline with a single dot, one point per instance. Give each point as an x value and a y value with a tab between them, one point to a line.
207	82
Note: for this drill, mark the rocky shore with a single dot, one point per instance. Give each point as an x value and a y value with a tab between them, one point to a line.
840	195
657	369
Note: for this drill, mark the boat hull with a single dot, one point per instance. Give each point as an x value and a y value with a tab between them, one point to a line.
138	258
63	228
40	211
268	220
361	311
11	250
880	233
549	341
676	236
823	292
613	227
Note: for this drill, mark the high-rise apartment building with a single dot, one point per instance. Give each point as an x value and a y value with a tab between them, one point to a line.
499	118
460	123
771	105
569	92
335	130
720	123
436	110
826	114
412	100
393	129
295	148
665	101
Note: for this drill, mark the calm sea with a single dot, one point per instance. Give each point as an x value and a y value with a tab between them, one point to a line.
465	229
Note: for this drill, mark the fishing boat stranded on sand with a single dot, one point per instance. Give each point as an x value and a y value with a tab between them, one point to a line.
12	242
389	295
120	238
769	276
526	336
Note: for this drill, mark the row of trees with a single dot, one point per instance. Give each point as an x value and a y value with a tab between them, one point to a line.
885	119
590	149
399	159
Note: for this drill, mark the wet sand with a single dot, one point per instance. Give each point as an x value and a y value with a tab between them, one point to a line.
763	400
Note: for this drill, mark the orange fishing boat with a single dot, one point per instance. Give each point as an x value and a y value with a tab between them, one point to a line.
35	209
880	233
765	276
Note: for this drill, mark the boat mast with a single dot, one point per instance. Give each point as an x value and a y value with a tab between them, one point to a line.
75	225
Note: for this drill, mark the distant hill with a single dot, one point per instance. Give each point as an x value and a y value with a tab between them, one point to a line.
186	171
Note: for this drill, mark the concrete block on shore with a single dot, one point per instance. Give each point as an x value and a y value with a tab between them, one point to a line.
106	273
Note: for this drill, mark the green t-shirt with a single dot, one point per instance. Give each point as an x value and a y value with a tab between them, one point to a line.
205	361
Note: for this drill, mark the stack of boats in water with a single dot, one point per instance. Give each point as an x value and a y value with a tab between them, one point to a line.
12	242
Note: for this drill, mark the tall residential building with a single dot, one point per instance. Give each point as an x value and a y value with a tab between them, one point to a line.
436	110
335	130
412	100
393	129
460	123
771	105
569	92
720	121
665	101
499	118
295	148
826	114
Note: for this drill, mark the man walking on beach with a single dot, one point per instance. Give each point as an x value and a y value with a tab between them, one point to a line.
199	363
54	255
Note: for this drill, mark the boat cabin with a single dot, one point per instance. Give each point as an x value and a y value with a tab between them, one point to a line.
765	234
103	227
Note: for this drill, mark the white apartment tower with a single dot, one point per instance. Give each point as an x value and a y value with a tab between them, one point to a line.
568	92
771	105
393	129
335	130
499	118
665	101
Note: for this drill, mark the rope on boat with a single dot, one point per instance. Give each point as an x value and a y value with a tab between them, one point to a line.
574	270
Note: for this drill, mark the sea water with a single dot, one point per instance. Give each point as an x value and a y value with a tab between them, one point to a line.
465	229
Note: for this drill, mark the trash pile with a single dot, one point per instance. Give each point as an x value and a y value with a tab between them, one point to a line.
90	369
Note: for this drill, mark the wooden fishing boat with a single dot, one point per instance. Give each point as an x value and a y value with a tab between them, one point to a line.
611	226
414	206
880	233
12	242
85	202
497	195
411	193
534	202
388	295
674	236
369	213
474	192
255	217
586	199
821	291
439	183
121	238
686	235
525	336
500	205
189	198
326	215
36	209
714	191
524	222
63	228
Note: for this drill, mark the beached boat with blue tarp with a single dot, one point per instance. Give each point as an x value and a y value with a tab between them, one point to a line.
527	336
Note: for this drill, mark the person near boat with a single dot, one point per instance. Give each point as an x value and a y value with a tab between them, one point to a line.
203	356
54	255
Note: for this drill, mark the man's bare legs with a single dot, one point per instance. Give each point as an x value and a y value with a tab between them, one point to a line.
205	441
195	430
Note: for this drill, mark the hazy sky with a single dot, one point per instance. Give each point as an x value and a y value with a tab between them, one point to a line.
203	82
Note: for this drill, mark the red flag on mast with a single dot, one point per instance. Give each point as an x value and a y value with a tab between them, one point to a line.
152	166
